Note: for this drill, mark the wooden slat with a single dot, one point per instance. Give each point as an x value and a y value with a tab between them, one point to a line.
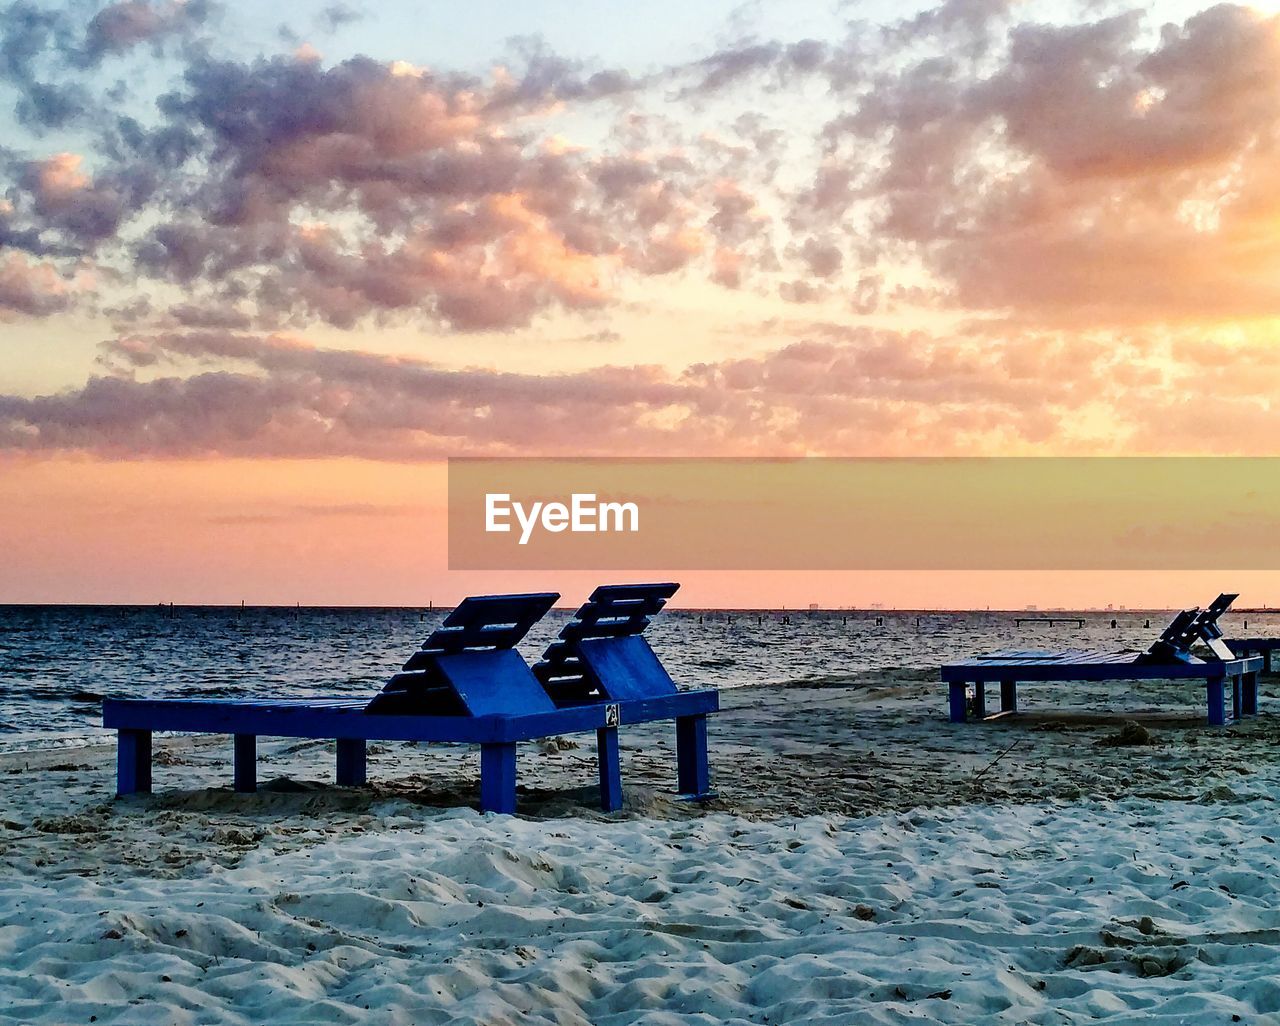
616	592
627	668
608	629
475	636
623	607
622	665
469	666
596	613
495	683
489	609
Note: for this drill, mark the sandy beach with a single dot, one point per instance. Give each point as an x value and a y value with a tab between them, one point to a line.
714	377
865	861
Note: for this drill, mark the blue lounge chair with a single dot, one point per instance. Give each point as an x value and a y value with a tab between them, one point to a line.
1169	658
1261	646
601	659
1257	645
466	684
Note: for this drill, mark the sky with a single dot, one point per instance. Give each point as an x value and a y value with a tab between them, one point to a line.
259	277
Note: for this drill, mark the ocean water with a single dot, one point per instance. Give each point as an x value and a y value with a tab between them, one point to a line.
57	663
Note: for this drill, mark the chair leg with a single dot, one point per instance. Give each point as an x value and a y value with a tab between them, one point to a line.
693	770
246	763
980	699
498	777
958	701
1216	693
1009	696
1249	702
610	769
1237	695
133	761
351	762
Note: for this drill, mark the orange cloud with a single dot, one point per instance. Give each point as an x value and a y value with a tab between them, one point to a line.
1088	177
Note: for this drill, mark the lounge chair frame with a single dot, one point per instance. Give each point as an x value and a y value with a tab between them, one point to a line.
466	685
1169	658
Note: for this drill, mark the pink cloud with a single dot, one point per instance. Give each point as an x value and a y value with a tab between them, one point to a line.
32	288
1088	176
833	389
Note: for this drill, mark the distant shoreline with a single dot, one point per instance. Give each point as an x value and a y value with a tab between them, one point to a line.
1044	611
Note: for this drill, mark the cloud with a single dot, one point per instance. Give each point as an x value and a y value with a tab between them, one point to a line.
732	65
49	53
424	196
66	200
291	191
291	515
1080	202
374	190
28	33
32	289
272	396
1088	176
122	25
338	15
829	389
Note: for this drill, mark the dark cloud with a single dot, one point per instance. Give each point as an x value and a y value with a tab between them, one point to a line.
29	33
779	63
822	257
45	106
335	16
124	24
66	200
969	24
48	54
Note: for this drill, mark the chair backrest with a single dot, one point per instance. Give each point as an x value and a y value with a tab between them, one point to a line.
469	666
1188	627
600	655
1209	632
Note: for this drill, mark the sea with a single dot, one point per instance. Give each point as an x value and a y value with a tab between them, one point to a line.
57	663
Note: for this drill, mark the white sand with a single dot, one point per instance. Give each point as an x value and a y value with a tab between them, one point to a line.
1133	886
1171	911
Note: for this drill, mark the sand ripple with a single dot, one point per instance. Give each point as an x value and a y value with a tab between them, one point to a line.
1101	912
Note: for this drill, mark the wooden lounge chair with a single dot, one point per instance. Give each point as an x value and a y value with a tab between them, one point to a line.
1170	657
466	684
601	658
1257	645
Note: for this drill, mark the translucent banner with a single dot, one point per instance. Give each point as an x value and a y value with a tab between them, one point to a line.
1162	513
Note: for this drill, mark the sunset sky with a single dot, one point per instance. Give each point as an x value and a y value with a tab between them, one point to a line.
258	279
